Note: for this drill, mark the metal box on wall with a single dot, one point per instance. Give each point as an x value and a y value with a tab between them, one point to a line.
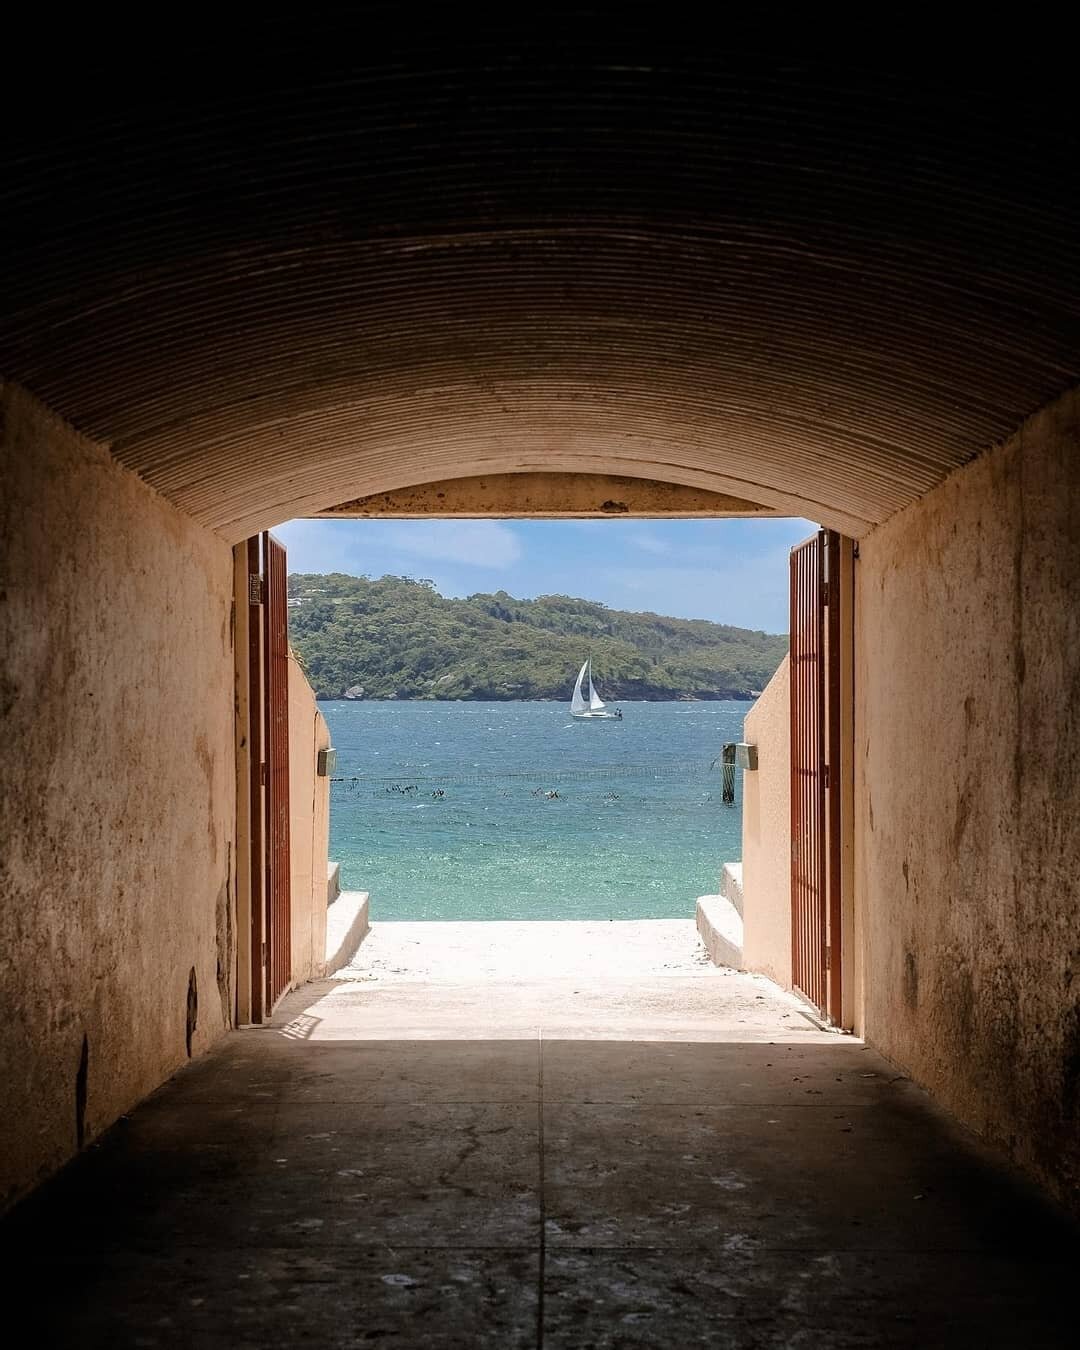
745	755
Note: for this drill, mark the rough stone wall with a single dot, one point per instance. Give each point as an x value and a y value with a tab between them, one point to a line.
767	834
968	792
309	828
116	797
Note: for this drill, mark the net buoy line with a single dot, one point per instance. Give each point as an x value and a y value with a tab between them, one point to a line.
682	769
353	797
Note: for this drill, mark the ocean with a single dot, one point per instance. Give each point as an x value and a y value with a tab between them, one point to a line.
515	811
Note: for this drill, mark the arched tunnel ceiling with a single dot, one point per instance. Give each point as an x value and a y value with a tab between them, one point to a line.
288	269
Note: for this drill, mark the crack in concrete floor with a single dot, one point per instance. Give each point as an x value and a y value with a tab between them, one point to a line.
639	1151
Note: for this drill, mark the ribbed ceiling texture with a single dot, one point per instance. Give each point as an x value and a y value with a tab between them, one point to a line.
296	266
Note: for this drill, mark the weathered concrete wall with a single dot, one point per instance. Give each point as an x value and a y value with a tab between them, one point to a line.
116	792
767	834
309	830
968	792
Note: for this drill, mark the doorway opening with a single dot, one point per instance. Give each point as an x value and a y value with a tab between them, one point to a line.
463	788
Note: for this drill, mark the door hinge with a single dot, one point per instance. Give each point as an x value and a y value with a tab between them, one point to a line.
255	588
828	958
262	773
826	775
264	953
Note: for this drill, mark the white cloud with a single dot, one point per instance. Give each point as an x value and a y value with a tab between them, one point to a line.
651	544
745	592
477	543
318	545
375	547
728	571
771	539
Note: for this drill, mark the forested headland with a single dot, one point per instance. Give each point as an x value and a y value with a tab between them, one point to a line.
397	638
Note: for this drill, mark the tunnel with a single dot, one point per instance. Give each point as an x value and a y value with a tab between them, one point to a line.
273	268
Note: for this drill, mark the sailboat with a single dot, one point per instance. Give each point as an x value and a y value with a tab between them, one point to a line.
593	707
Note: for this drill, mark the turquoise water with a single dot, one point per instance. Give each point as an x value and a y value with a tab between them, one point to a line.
637	830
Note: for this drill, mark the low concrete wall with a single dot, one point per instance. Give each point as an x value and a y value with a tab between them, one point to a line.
967	747
731	885
117	808
720	928
719	919
766	840
309	842
347	924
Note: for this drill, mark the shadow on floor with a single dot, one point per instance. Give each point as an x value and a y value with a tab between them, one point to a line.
286	1191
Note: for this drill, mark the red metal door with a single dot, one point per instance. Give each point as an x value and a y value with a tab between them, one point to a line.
257	767
815	778
276	649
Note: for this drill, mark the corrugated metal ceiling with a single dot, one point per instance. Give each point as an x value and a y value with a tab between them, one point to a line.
333	262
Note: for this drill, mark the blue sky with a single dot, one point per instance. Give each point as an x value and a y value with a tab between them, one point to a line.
731	571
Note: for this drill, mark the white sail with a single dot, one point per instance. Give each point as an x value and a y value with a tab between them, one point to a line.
596	703
577	703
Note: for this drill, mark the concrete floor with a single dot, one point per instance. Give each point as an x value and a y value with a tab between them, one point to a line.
437	1150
